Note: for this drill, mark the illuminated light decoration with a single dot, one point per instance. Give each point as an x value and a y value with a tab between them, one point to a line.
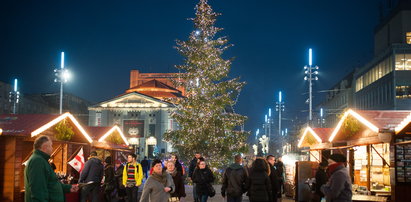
1	131
266	119
134	141
358	117
269	112
62	60
321	112
310	57
15	85
58	119
403	124
309	129
151	141
280	97
111	131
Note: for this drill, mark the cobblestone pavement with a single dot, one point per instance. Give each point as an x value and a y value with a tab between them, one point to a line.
217	197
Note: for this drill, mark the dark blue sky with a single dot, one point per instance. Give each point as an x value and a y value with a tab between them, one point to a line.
104	40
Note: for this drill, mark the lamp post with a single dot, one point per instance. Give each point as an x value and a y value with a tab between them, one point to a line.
62	76
311	74
14	97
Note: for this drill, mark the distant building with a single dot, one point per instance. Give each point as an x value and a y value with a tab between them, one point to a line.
142	112
385	82
44	103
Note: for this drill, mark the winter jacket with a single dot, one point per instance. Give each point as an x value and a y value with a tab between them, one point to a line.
320	179
192	167
338	187
259	187
93	171
153	190
109	178
40	181
138	174
275	182
203	179
234	181
179	185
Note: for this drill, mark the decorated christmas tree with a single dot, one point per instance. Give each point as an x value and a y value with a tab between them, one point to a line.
206	118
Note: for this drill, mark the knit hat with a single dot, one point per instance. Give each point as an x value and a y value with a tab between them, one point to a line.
108	160
339	158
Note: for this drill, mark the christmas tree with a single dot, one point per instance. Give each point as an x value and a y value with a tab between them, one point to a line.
206	118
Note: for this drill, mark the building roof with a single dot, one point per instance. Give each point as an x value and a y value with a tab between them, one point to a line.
157	89
100	133
320	136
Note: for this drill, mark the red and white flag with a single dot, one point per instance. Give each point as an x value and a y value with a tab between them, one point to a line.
78	161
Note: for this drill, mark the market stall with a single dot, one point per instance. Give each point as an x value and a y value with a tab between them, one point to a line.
365	137
16	146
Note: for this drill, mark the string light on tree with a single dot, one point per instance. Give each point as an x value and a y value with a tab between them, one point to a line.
206	118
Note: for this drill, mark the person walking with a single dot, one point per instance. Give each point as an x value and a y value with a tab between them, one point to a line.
109	179
191	168
279	165
234	181
92	175
121	192
146	166
320	179
158	186
338	188
258	183
275	181
40	181
132	177
203	177
178	180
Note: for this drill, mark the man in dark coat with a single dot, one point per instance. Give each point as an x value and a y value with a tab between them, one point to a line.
234	181
274	179
320	179
92	174
338	187
40	181
279	165
146	166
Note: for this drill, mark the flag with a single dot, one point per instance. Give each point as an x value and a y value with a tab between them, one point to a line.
78	161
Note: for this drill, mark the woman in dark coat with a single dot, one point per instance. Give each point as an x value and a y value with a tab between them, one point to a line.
259	182
178	181
109	179
203	177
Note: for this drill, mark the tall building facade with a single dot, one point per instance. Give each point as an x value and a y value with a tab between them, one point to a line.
385	82
143	112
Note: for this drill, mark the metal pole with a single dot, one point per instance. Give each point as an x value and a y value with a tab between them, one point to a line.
310	117
61	96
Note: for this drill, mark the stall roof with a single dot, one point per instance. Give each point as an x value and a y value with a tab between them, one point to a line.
34	124
319	134
376	120
101	133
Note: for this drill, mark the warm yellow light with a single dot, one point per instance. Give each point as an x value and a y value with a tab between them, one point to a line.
151	141
1	131
403	124
58	119
358	117
111	131
309	129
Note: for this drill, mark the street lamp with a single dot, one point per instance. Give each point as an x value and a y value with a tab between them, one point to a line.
14	97
62	76
322	120
311	74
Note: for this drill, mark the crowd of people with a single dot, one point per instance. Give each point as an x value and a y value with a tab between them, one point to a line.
261	181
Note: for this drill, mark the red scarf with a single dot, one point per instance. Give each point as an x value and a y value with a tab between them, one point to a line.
331	168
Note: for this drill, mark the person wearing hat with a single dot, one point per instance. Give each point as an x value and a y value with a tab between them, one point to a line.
338	187
320	179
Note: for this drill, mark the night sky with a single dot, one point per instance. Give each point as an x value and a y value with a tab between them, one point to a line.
104	40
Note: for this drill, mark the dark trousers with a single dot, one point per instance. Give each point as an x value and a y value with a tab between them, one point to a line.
91	190
234	198
132	193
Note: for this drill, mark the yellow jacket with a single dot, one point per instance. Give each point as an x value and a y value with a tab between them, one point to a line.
138	175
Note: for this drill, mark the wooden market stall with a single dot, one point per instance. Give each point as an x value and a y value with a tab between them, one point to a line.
110	141
365	137
16	146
